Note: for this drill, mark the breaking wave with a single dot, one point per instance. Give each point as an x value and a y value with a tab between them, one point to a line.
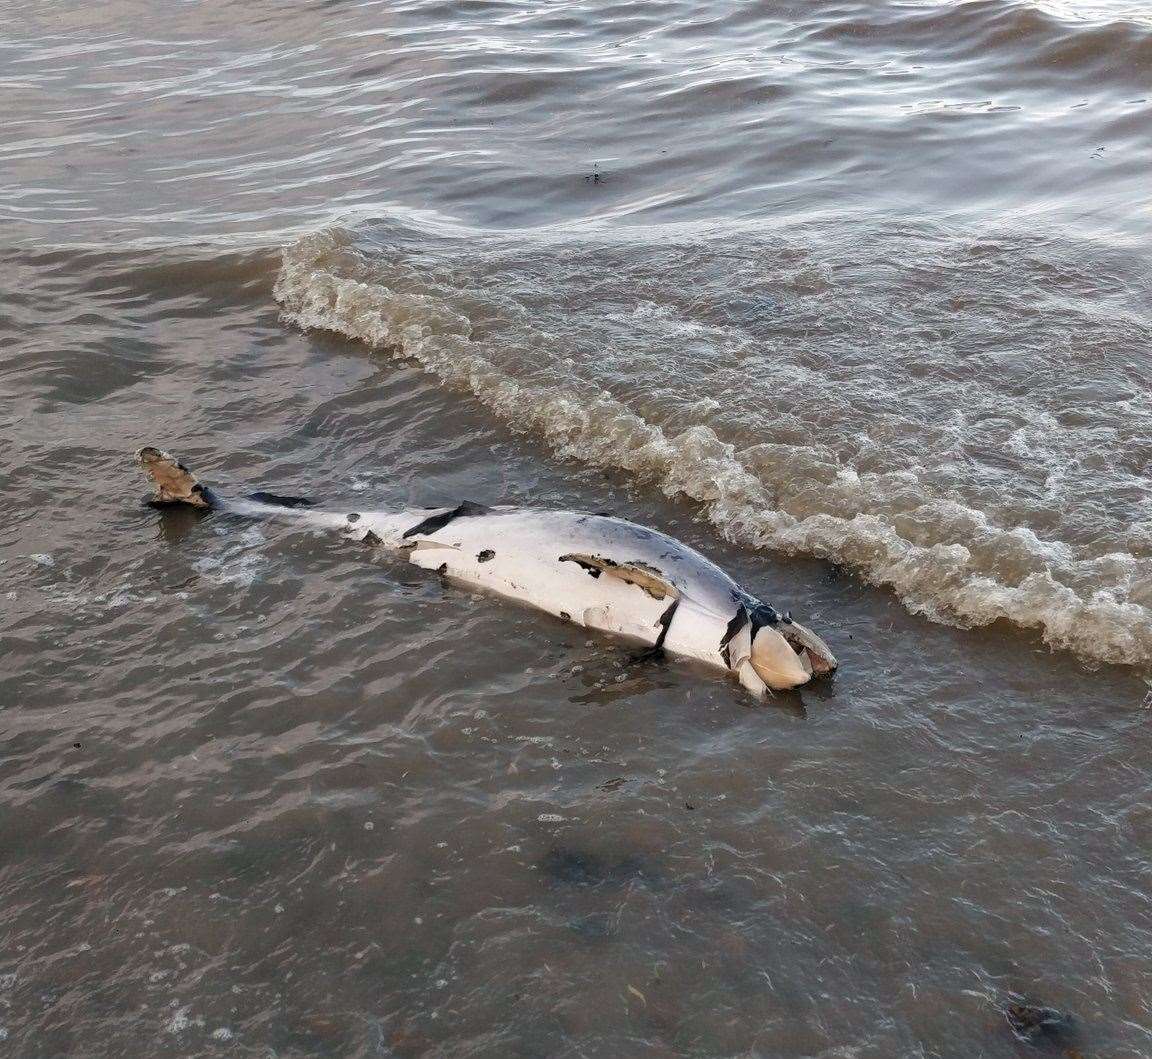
610	373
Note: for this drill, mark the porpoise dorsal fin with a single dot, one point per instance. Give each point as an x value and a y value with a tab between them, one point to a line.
437	522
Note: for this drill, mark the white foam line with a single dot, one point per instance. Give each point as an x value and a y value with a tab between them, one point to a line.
942	581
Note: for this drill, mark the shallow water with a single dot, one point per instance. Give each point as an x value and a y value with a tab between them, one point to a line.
854	298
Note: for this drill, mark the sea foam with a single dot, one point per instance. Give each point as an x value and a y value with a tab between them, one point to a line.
946	560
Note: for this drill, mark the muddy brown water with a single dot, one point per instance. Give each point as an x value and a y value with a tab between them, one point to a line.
851	297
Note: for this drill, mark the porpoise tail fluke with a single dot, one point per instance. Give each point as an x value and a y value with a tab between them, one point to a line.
175	484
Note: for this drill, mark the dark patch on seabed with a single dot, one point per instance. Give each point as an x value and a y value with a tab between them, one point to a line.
1045	1028
578	867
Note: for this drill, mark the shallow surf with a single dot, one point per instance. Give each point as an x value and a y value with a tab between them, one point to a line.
851	298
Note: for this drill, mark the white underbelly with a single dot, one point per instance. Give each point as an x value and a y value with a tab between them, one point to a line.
521	560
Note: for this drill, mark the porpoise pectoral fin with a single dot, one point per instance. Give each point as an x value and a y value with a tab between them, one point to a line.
636	573
751	679
739	647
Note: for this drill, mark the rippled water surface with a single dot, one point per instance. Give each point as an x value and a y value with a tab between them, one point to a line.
852	297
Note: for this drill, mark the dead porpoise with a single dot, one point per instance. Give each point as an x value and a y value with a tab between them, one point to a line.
597	571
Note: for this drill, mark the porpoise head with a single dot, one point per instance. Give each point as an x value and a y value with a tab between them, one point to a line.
787	654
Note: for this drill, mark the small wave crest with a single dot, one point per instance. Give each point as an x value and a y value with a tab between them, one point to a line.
946	560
